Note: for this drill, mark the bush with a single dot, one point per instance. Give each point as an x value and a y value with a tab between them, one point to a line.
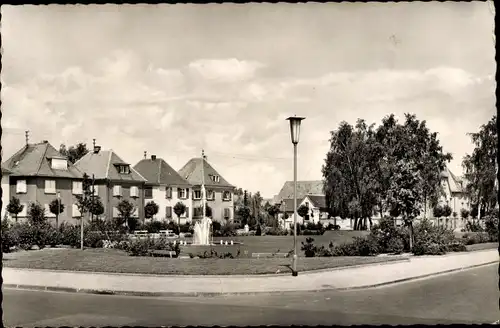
93	239
472	238
26	235
390	239
70	234
491	227
434	240
473	227
309	248
154	226
258	231
360	246
144	246
276	231
52	236
9	236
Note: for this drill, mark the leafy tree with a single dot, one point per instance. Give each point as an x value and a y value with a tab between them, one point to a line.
74	153
56	207
36	214
84	201
151	209
273	211
303	211
464	213
244	214
179	209
15	207
447	211
406	193
96	206
481	167
126	209
437	211
351	172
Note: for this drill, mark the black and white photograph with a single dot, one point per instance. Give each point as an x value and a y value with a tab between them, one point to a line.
249	164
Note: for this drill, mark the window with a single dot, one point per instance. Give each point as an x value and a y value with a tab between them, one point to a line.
215	178
124	169
50	186
117	191
226	195
48	213
181	193
77	187
148	192
134	191
210	195
168	192
197	211
76	212
186	213
197	194
168	212
21	187
227	213
59	164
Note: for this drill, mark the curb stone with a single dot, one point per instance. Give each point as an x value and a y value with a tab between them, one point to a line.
213	294
263	275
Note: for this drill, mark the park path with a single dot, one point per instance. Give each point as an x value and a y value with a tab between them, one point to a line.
341	278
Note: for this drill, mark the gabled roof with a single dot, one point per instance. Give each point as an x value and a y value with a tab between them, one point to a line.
287	204
303	188
103	165
158	172
455	183
318	201
192	172
34	160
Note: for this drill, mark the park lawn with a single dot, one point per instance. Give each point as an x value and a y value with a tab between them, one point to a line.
283	244
115	261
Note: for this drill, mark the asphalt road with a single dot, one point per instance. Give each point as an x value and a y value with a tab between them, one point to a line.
469	296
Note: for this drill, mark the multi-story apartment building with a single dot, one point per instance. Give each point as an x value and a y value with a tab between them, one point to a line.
114	181
219	192
39	173
166	188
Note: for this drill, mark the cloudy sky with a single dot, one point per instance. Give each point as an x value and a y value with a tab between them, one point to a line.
173	79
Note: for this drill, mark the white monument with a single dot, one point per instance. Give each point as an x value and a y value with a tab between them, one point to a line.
247	229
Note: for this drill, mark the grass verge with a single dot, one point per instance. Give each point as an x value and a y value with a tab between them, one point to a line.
108	260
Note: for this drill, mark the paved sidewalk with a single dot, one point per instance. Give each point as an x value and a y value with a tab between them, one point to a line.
342	278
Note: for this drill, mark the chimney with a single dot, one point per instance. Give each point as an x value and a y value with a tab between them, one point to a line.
145	154
153	157
45	141
97	149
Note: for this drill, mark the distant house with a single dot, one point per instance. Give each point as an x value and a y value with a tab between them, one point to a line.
165	187
38	173
114	180
5	191
317	209
304	188
219	192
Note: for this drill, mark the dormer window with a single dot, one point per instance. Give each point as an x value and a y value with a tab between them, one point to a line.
59	163
215	178
124	169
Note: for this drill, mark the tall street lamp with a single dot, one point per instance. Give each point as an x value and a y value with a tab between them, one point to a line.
295	133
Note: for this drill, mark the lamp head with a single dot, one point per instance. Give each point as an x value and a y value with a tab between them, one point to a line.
295	128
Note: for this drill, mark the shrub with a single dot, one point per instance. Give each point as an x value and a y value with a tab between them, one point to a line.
276	231
390	239
473	227
143	246
472	238
70	234
26	234
9	236
52	236
491	227
216	226
309	248
93	239
360	246
433	240
258	231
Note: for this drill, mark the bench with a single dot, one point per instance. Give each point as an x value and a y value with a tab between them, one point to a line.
163	253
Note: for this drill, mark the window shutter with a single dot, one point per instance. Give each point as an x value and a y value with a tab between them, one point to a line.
187	212
168	211
187	193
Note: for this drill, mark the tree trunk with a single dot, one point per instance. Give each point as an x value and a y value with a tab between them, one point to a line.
371	223
16	218
334	220
355	224
411	235
57	221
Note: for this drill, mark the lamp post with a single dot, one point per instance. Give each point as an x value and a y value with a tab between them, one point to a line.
295	134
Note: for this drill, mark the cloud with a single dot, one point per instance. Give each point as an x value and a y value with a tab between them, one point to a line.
225	107
224	70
